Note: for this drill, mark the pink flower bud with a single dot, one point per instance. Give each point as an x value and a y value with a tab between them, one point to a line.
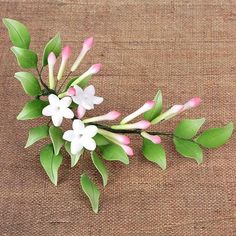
112	115
52	59
94	69
66	52
122	139
128	150
71	91
143	124
88	43
146	107
154	138
194	102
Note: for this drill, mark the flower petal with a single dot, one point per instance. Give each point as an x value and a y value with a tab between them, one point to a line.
87	104
48	110
57	119
65	102
53	99
67	113
97	100
88	143
78	90
78	125
90	90
75	147
81	111
90	131
69	135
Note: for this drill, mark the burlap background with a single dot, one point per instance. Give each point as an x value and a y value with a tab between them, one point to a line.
185	48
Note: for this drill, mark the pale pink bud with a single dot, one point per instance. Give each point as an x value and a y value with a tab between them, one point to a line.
112	115
66	52
194	102
128	150
71	91
52	59
154	138
146	107
143	124
88	43
94	69
123	139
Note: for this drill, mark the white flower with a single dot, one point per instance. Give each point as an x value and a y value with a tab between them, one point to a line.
85	99
81	136
58	109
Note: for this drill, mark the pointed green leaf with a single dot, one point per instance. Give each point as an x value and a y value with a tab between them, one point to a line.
188	149
37	133
32	109
215	137
54	45
98	163
18	33
56	137
29	83
154	153
113	152
156	110
187	129
74	158
100	140
91	190
50	162
25	57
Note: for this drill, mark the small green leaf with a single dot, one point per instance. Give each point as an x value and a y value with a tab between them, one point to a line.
154	153
32	109
56	137
100	140
215	137
29	83
187	129
91	190
37	133
188	149
100	167
54	45
156	110
25	57
50	162
18	33
74	158
113	152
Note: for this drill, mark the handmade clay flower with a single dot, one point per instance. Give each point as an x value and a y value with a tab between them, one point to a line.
81	136
58	109
85	99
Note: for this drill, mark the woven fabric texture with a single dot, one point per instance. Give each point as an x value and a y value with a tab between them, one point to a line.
185	48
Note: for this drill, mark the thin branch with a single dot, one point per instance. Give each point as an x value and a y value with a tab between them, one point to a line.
63	83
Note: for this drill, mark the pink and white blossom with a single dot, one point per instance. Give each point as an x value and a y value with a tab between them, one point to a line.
58	109
112	115
87	45
154	138
146	107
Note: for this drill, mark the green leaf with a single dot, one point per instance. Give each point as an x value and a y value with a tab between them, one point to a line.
37	133
54	45
82	84
100	140
215	137
29	83
154	153
74	158
18	33
56	137
156	110
100	167
25	57
91	190
187	129
188	149
32	109
113	152
50	162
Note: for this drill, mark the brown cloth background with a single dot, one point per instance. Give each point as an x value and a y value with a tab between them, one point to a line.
185	48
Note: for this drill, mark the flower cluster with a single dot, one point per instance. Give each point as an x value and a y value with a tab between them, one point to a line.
68	97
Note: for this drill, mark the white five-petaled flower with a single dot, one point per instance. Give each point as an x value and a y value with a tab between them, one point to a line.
81	136
85	99
58	109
